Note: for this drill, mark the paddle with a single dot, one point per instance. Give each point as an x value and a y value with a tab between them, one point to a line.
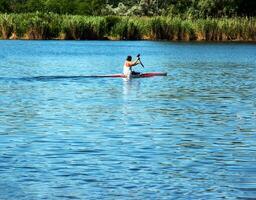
138	57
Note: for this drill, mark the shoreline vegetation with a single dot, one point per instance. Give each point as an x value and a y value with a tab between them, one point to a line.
51	26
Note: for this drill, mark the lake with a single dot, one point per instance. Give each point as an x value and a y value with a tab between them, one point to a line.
189	135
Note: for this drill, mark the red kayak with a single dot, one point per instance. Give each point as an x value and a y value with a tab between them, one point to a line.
143	75
47	78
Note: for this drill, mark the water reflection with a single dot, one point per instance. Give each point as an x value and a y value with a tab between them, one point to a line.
130	87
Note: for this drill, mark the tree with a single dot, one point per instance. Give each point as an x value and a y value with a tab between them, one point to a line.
4	6
60	6
89	7
216	8
184	8
34	5
246	7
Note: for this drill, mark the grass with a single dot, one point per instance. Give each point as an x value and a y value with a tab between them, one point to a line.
37	26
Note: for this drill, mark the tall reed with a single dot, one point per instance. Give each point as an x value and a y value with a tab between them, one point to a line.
6	25
129	28
42	26
73	27
81	28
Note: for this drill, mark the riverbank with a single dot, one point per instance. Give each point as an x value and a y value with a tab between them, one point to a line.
47	26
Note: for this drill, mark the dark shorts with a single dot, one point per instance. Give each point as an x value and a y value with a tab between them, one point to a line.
135	73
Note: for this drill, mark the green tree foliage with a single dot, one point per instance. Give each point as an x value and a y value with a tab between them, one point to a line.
4	6
60	6
246	7
143	8
216	8
34	5
181	8
89	7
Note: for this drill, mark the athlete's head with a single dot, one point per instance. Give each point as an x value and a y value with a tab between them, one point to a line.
129	58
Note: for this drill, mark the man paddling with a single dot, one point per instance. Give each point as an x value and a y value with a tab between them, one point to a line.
127	70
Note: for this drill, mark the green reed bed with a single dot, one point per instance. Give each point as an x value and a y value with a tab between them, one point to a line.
83	28
130	28
73	27
163	28
30	26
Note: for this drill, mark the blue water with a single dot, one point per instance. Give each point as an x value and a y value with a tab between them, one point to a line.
190	135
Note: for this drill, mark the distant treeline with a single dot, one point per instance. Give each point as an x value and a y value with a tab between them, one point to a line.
180	8
76	27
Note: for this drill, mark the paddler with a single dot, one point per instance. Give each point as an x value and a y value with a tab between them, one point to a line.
128	66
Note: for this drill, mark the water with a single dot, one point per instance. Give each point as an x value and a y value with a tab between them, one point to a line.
190	135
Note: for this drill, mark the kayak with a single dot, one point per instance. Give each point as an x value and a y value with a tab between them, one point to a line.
143	75
48	78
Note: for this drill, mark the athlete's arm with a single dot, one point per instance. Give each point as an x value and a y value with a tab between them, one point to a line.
136	62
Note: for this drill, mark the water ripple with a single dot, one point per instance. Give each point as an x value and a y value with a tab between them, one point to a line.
190	135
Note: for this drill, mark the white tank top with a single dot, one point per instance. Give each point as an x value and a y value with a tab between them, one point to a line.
127	70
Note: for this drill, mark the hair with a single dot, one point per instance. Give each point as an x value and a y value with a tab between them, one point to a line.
129	58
